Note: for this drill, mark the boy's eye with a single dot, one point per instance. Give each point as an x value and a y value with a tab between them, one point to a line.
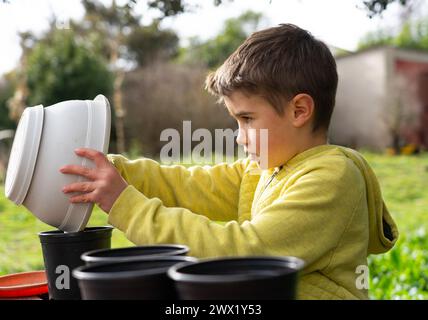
246	119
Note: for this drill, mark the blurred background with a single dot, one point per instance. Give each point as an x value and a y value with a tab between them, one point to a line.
151	57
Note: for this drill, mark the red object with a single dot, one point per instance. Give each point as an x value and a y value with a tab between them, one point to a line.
24	284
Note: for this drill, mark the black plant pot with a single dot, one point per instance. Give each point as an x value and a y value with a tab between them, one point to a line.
144	279
250	278
133	253
61	254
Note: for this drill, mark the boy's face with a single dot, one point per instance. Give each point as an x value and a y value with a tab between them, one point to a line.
254	113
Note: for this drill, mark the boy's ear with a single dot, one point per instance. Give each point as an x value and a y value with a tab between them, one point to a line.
302	108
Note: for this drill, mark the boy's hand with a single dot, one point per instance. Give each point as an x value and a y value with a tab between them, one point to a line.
105	183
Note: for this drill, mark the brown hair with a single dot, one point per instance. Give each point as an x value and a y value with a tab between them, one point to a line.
279	63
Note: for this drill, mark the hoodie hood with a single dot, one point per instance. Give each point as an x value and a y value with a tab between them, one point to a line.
383	231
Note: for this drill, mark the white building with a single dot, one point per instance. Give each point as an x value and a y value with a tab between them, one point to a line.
382	99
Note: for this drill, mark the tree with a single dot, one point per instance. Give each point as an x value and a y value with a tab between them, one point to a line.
377	38
111	24
214	51
412	35
7	88
373	7
118	31
149	44
60	69
173	7
376	7
105	30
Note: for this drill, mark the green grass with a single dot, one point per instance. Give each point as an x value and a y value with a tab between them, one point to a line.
402	273
404	183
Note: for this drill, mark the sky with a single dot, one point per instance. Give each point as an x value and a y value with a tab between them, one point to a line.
339	23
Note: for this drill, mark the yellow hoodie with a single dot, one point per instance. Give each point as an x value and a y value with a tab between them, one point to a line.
323	206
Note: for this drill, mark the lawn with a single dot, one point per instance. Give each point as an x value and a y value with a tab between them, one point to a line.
400	274
403	272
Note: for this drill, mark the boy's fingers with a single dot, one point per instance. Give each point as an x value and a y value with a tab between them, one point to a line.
83	198
84	187
78	170
97	156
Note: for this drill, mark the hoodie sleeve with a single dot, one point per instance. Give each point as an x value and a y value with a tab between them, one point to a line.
212	191
302	222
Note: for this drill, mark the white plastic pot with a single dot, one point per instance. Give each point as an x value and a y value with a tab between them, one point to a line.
45	140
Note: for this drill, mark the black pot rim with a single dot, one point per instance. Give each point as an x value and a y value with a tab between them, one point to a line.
87	273
176	272
89	233
91	257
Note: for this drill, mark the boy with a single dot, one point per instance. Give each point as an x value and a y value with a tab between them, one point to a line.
315	201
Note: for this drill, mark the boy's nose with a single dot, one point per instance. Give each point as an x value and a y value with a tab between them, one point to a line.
241	139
